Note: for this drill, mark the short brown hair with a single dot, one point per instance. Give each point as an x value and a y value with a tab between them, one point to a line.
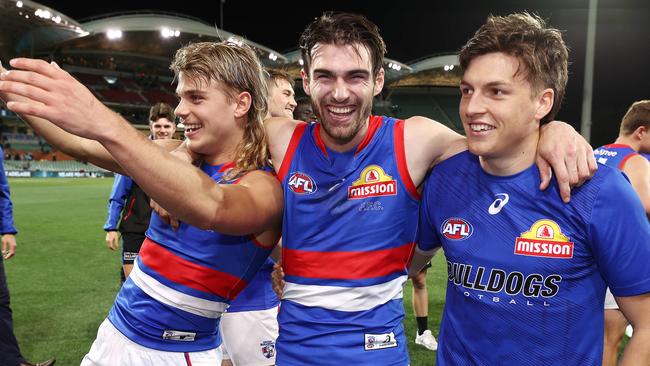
343	29
277	74
637	116
161	110
238	68
540	49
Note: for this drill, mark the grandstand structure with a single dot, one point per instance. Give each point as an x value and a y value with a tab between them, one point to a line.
123	58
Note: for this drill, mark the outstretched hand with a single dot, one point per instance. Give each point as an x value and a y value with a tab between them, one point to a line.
54	95
571	158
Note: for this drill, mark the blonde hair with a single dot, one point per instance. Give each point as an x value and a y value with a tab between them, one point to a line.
238	68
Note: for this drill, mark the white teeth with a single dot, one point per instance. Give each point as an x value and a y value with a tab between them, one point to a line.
476	127
340	109
191	128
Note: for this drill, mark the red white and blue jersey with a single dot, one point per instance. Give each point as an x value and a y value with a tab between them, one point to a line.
259	294
182	281
526	272
614	155
349	229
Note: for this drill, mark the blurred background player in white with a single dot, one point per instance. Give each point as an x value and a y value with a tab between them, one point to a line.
249	327
9	350
129	208
625	154
424	337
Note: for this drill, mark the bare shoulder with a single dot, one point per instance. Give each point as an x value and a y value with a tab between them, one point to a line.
637	164
262	180
279	131
432	139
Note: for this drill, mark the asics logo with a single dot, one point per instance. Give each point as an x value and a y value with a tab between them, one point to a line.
500	201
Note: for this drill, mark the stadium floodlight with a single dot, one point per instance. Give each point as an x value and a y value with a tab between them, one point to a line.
45	14
301	62
113	34
19	4
56	19
273	56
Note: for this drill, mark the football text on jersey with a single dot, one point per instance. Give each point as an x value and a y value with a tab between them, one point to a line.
301	183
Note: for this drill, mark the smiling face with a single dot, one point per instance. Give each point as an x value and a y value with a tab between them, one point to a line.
501	111
162	129
282	100
341	86
209	116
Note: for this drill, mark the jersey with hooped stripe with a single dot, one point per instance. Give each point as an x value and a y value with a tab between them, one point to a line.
182	281
349	228
614	155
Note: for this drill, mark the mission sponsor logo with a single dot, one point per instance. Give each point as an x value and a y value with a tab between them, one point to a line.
301	183
374	182
456	229
544	239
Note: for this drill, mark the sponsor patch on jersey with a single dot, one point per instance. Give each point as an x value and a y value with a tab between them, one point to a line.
379	341
544	239
268	349
373	182
177	335
455	228
301	183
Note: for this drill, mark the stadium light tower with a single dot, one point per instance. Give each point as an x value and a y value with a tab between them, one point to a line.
588	86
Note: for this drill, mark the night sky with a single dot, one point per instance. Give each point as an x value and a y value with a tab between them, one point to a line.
416	29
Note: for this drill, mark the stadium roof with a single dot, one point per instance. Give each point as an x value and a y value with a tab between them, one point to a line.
27	27
436	70
155	34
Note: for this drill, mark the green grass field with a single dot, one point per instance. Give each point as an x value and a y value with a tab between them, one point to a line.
63	279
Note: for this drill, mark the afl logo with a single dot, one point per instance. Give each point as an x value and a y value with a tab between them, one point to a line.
456	229
301	183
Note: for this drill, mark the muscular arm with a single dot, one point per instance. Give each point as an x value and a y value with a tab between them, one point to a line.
279	132
561	148
637	311
637	169
252	206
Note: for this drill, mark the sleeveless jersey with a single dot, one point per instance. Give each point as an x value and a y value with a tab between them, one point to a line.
182	281
614	155
259	294
349	228
526	272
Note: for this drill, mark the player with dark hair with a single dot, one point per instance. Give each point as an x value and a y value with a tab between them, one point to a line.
350	189
527	273
129	209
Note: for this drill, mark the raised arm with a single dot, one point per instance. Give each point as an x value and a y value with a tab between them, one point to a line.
80	148
252	206
571	158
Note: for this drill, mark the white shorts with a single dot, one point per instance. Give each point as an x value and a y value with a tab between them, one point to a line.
249	337
112	348
610	301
